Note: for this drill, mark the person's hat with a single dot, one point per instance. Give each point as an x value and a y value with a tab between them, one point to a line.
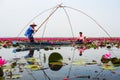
33	24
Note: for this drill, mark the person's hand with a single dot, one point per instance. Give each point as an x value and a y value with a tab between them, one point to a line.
36	30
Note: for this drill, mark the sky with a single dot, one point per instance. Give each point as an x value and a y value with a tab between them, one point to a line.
15	15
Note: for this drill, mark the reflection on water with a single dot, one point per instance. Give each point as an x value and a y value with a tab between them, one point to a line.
55	61
30	54
58	63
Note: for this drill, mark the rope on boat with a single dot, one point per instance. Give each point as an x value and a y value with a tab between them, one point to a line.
30	73
34	19
45	23
69	21
44	29
48	17
90	18
56	7
70	68
46	75
43	69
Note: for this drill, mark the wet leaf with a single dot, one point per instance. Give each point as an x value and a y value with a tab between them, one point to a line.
108	67
14	76
33	67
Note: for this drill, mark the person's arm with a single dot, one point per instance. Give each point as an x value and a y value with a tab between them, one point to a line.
34	29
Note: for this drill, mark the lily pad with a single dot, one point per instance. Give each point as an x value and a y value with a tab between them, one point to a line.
14	76
56	63
78	63
33	67
91	63
108	67
81	61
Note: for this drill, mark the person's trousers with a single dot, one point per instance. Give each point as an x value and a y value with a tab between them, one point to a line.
31	38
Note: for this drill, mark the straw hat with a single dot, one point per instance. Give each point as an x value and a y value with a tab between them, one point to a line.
33	24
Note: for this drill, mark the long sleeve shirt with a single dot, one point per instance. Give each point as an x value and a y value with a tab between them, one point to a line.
29	31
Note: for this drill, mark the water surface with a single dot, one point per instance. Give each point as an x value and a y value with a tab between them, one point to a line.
73	65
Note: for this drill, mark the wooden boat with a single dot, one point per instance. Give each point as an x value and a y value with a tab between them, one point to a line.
43	43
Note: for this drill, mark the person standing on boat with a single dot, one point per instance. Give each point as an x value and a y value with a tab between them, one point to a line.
30	31
80	37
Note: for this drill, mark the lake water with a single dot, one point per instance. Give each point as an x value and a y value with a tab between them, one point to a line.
74	66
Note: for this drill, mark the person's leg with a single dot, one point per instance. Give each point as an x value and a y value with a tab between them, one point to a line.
31	53
31	38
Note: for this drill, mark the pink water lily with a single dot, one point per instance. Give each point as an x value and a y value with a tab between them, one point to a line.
107	55
2	62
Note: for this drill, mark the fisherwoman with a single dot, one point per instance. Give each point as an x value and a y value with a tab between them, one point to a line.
80	37
30	31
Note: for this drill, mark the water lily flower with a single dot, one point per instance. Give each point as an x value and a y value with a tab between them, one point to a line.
2	62
107	55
